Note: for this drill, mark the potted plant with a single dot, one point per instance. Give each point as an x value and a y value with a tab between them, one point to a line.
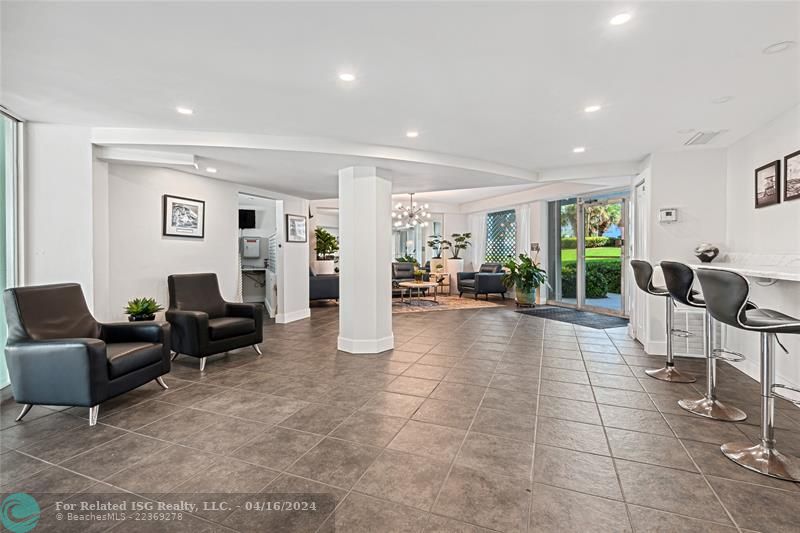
142	309
326	245
525	275
460	242
419	274
408	258
438	245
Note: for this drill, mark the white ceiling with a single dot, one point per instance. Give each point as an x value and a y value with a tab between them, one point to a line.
503	83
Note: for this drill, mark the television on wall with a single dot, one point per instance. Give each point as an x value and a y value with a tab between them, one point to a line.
247	218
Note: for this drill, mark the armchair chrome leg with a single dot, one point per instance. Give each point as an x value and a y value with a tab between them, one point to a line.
764	458
25	410
160	381
257	349
202	364
93	411
669	372
708	406
174	356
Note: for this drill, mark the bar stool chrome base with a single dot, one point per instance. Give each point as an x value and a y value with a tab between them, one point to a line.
671	374
759	458
713	409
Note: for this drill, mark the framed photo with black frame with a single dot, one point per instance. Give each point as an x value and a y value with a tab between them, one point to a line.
791	176
296	228
768	184
184	217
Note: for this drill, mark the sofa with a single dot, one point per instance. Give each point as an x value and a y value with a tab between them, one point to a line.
58	354
487	280
323	286
204	324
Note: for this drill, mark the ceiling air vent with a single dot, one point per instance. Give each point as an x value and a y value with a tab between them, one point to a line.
702	137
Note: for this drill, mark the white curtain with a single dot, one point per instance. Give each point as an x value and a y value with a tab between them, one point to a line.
477	252
523	217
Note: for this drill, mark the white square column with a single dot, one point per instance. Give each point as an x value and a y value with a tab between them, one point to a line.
365	258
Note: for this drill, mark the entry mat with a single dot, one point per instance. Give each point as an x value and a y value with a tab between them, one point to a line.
581	318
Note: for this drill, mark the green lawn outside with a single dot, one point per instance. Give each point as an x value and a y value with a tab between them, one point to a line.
592	254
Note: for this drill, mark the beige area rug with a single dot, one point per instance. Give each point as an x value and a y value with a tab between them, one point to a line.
446	303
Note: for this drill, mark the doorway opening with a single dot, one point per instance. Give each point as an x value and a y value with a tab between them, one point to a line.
587	236
259	242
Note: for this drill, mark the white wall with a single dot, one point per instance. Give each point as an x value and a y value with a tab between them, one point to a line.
693	181
58	200
293	266
141	258
769	230
773	229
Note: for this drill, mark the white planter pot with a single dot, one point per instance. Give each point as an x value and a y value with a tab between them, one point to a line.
324	267
454	266
435	262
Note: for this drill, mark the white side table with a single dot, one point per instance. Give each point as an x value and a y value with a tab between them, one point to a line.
443	281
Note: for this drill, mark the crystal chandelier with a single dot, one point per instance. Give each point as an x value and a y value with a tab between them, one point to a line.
410	215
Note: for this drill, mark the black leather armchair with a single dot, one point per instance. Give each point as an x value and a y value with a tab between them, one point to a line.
204	324
402	271
323	286
488	280
58	354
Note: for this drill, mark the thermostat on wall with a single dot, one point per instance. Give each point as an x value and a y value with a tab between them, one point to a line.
668	214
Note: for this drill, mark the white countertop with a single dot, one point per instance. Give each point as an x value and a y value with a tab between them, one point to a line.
777	272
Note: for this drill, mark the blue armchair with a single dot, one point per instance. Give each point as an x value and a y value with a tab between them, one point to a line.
488	280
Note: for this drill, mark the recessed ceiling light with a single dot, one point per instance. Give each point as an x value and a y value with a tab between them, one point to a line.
184	110
592	108
622	18
722	99
412	134
777	48
211	170
579	149
347	76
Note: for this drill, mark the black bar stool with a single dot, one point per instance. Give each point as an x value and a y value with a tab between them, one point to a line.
643	273
679	279
726	294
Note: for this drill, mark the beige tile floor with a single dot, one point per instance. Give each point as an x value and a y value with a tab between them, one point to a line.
479	420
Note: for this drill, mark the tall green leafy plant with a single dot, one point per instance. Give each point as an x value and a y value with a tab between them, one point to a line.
438	245
460	242
524	274
327	244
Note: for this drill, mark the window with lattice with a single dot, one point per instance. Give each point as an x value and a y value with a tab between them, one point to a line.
501	236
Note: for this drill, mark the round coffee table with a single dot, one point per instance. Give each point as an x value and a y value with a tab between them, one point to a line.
418	285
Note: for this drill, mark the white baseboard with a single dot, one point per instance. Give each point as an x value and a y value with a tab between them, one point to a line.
285	318
366	345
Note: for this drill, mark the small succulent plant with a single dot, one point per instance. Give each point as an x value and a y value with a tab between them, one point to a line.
139	307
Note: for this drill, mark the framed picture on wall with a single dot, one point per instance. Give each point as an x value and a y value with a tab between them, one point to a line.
768	184
296	228
791	178
184	217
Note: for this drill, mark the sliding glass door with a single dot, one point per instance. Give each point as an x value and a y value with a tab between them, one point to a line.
602	255
9	166
587	253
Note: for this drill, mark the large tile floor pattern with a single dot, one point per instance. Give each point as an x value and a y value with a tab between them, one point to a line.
478	420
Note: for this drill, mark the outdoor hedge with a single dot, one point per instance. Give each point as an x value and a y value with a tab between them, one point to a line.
596	284
602	277
571	243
